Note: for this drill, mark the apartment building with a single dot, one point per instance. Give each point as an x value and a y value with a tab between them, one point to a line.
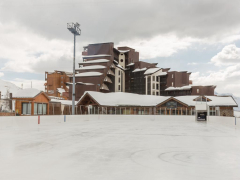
56	83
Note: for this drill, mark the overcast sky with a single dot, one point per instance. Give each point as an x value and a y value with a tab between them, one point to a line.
200	36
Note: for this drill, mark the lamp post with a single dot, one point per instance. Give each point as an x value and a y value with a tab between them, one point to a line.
74	28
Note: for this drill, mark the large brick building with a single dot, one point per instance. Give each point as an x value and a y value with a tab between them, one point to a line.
109	69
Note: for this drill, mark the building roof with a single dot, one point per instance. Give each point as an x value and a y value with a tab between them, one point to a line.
178	88
151	71
91	67
27	93
124	99
86	74
129	99
215	100
63	102
137	70
94	61
97	55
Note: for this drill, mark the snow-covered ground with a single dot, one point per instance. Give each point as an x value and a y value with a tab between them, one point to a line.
119	147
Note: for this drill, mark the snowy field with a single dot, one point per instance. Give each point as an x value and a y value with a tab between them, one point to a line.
119	148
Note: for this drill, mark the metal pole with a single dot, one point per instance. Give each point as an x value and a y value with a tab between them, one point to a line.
73	86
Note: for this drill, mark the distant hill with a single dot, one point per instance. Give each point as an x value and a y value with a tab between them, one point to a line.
5	86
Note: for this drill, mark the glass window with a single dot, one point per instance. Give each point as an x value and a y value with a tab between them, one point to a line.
119	72
119	80
153	78
119	87
172	75
172	83
197	90
39	108
35	109
153	86
24	108
44	109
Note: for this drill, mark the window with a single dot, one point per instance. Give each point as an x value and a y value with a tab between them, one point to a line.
26	108
61	77
157	78
121	54
121	60
153	93
157	86
61	86
172	75
153	86
40	108
119	80
119	72
119	87
157	93
172	83
61	82
197	90
153	78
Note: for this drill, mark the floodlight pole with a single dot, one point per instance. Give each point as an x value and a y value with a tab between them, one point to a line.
74	28
73	87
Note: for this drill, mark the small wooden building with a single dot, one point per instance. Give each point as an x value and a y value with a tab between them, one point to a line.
31	102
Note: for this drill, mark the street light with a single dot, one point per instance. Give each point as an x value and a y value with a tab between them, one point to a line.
74	28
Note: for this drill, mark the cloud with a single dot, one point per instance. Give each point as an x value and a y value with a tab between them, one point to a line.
159	46
229	55
227	80
1	74
27	51
102	21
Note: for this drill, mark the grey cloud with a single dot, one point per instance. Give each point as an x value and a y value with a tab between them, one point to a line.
105	20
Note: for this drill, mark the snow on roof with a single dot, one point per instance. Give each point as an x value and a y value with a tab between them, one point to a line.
125	99
131	64
178	88
94	61
137	70
97	55
151	70
27	93
85	74
162	74
91	67
63	102
215	100
119	66
123	51
85	83
129	99
61	90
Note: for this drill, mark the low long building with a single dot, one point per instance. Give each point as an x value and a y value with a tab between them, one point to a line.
128	103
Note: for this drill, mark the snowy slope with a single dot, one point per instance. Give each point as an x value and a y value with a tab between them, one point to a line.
4	86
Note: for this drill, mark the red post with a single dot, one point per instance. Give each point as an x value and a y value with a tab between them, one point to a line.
38	119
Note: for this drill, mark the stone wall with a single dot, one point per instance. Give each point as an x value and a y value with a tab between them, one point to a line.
226	111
